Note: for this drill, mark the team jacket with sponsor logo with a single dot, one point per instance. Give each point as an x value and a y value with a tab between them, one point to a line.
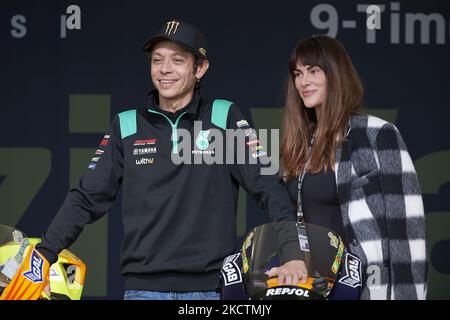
179	219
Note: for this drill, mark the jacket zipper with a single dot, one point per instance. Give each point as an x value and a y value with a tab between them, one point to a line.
174	136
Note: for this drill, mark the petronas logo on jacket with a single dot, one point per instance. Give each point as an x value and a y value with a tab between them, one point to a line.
202	142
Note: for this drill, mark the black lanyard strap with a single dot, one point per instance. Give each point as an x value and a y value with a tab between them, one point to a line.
301	177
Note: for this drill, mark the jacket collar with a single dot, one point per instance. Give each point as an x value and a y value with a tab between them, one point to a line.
191	108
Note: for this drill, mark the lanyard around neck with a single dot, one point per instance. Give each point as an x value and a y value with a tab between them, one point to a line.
301	177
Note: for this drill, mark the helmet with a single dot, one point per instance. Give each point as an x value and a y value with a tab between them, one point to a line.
66	275
333	272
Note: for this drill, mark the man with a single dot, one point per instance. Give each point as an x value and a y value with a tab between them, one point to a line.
179	220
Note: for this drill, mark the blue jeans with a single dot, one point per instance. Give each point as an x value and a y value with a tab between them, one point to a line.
158	295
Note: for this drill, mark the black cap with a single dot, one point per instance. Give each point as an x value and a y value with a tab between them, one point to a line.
180	32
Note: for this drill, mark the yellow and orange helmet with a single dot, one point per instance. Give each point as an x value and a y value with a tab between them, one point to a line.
24	272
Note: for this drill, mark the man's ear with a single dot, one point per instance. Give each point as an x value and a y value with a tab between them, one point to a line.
201	69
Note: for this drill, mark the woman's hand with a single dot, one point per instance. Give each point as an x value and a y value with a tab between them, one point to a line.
290	273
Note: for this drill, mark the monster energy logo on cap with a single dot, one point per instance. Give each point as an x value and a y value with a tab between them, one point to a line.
171	27
181	32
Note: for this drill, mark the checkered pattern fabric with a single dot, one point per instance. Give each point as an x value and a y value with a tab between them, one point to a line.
382	209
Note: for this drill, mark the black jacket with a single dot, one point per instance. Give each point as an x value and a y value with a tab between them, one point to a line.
179	220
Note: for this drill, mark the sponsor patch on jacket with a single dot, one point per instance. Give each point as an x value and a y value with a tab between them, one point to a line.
104	142
95	159
202	142
211	152
145	161
99	152
259	154
351	271
242	123
142	151
250	133
92	166
252	142
230	270
143	142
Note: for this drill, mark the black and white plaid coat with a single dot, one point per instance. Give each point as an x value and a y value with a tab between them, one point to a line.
382	209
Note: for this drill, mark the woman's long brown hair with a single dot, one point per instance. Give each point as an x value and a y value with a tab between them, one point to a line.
329	121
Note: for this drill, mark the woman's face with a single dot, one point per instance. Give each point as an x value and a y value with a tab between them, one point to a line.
311	84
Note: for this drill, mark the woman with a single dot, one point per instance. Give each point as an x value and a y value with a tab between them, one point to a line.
356	176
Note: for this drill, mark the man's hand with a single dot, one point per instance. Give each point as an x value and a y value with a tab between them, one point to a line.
290	273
